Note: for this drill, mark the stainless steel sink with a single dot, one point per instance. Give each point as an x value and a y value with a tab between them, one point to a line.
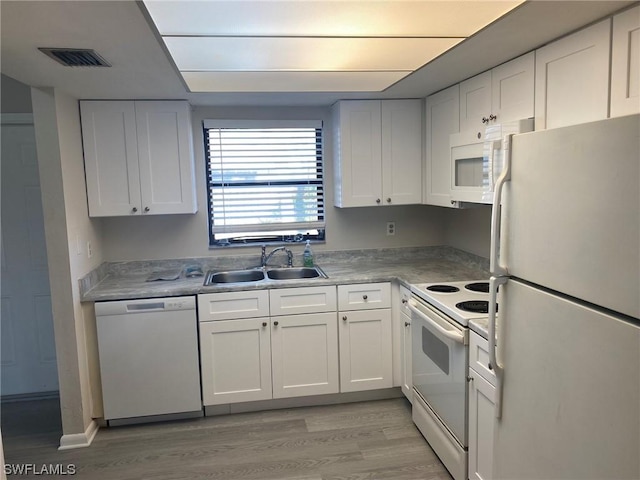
293	273
234	276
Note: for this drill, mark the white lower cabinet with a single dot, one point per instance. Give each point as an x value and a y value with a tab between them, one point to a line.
235	358
304	354
365	337
481	412
278	356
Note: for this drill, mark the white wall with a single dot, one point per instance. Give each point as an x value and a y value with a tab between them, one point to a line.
469	229
67	230
180	236
16	96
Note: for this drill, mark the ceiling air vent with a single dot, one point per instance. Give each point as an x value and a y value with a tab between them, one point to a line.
75	57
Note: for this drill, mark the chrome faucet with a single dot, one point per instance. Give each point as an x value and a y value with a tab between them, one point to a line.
264	258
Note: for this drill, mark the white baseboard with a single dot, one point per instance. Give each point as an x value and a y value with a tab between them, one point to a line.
79	440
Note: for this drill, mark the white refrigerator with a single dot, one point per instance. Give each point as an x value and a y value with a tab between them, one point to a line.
565	263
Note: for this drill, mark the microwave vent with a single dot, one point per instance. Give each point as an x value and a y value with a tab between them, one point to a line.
75	57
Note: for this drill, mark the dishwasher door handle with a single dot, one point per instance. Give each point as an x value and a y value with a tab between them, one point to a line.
136	307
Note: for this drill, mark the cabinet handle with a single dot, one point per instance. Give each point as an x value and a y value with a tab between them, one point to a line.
406	324
344	318
493	117
264	324
377	200
388	200
275	324
485	120
364	297
469	379
404	300
146	209
134	209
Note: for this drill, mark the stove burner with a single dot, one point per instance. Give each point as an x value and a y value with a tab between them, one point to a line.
478	287
475	306
443	288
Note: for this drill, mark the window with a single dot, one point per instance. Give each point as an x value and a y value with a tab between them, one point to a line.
265	181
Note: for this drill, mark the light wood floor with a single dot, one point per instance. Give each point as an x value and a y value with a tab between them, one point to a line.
357	441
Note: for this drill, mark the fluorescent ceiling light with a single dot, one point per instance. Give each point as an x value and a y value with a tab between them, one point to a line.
312	45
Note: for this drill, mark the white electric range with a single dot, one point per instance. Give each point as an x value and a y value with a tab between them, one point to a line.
440	314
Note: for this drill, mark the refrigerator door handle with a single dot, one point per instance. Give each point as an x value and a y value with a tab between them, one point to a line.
505	176
494	283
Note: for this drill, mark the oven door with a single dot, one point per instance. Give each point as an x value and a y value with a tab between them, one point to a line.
439	362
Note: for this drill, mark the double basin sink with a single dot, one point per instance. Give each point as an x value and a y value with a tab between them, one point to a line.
260	274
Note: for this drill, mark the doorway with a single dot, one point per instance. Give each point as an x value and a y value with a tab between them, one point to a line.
28	357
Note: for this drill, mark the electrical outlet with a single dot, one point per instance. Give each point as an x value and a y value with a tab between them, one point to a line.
89	250
391	228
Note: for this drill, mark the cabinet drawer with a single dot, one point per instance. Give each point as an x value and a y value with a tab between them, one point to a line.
479	357
291	301
232	305
364	296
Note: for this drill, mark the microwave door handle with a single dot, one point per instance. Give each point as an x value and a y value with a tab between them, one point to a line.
450	334
494	364
496	225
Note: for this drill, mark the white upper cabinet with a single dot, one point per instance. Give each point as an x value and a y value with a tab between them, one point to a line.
442	114
500	95
625	63
138	157
572	78
378	152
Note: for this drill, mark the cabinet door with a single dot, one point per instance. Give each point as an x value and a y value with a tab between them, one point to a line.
481	421
358	172
572	78
512	89
111	158
365	350
625	63
405	344
235	358
442	118
475	102
401	152
304	350
165	149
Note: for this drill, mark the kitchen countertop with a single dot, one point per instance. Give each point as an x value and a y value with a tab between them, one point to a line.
480	326
127	280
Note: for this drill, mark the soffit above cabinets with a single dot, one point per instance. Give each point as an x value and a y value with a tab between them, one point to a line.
312	46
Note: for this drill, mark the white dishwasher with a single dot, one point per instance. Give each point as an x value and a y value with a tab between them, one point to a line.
148	353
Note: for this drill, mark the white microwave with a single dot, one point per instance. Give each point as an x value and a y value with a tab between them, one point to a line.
477	160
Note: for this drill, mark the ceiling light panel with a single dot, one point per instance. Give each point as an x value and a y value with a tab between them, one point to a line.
296	53
291	81
331	18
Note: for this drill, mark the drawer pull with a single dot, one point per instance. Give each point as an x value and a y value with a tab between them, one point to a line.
275	324
344	318
364	297
264	324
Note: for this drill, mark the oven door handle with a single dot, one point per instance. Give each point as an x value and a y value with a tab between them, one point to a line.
454	335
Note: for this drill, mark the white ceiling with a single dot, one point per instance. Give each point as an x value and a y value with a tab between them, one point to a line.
353	45
122	33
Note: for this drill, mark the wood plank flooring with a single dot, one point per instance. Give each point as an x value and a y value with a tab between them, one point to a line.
354	441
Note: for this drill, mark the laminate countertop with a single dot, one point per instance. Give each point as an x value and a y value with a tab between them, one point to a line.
128	280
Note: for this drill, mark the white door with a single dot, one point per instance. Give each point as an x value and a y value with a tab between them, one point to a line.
481	421
625	63
475	102
165	153
401	152
235	359
512	86
572	78
442	118
365	350
28	347
571	212
571	389
304	353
